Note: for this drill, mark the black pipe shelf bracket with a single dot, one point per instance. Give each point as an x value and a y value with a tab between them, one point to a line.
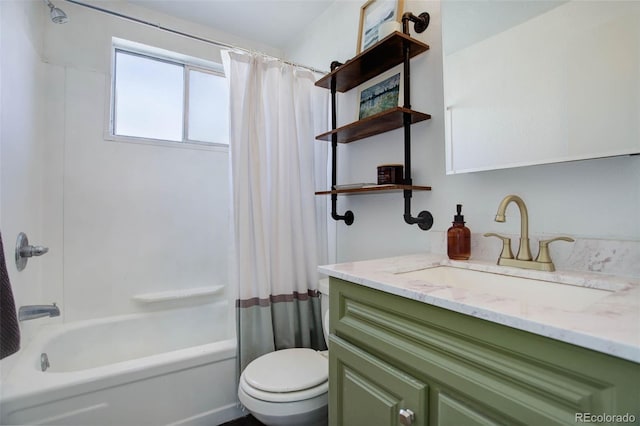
410	47
424	220
420	22
348	216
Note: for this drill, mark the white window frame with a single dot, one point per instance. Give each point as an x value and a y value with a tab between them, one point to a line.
188	64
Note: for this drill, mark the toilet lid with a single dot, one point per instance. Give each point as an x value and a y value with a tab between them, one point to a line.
287	370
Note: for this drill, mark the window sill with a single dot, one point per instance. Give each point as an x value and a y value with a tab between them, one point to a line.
168	144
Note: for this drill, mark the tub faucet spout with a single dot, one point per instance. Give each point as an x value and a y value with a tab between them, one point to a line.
30	312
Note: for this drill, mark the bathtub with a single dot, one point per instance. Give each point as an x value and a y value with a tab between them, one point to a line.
172	367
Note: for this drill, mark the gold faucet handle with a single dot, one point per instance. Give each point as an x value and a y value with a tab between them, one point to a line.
506	245
543	251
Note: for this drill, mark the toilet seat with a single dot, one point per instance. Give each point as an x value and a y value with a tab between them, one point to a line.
286	375
284	396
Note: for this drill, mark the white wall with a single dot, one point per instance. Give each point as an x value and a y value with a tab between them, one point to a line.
590	199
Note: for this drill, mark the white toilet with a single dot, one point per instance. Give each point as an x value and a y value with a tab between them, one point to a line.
290	386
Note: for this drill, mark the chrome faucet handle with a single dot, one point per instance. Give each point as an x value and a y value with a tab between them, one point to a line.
30	251
506	245
24	251
543	250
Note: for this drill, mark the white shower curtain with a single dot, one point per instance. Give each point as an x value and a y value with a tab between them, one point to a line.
273	173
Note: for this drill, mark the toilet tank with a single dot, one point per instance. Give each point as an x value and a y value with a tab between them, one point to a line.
323	287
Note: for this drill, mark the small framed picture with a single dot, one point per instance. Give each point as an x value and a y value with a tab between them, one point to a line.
381	93
373	14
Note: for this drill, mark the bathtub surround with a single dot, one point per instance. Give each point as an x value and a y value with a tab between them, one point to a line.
24	172
274	223
168	200
9	330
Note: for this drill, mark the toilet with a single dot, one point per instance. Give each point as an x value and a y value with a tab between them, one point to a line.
290	387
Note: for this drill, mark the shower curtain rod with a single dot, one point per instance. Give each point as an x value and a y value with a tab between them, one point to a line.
183	34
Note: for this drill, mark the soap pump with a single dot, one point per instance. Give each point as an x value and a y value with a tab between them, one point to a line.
459	238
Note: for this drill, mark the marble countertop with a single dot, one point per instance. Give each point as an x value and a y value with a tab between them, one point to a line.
610	325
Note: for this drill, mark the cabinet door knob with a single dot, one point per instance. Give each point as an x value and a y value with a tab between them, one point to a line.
406	416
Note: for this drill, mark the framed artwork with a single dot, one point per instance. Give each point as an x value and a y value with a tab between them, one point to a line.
373	14
381	93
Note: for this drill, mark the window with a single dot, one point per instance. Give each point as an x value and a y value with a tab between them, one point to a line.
160	98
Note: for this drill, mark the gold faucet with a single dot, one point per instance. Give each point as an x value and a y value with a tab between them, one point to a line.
543	261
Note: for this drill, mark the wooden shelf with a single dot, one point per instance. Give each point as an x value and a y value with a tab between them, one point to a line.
375	189
380	57
379	123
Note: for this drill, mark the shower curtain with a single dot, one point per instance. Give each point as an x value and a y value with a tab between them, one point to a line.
275	111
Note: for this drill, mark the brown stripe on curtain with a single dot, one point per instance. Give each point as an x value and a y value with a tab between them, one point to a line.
256	301
278	322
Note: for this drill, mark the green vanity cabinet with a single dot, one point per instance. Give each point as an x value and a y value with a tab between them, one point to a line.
390	355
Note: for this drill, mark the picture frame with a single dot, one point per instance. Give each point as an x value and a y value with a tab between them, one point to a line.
374	13
381	93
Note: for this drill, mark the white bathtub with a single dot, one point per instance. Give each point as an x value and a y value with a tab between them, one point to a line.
173	367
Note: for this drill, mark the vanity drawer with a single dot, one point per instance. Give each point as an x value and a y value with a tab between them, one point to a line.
508	375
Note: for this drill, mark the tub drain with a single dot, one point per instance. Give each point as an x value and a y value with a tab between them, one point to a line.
44	361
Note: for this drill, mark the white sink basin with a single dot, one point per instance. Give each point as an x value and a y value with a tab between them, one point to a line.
526	290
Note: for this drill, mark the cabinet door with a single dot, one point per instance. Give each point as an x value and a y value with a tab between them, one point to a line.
366	391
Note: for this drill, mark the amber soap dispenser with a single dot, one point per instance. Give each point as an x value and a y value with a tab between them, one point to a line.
459	238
